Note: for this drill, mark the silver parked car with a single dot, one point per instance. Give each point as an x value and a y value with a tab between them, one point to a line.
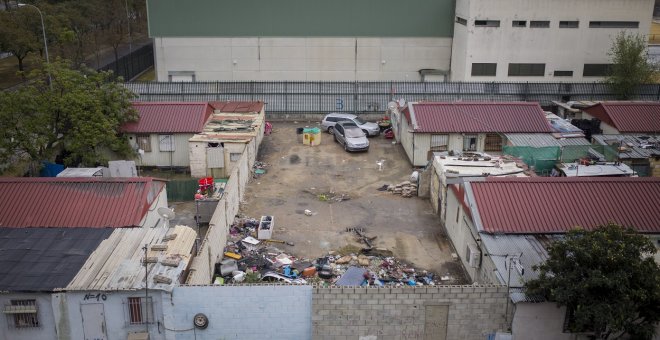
329	121
350	136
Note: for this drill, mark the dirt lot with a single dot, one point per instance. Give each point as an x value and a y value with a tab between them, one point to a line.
303	178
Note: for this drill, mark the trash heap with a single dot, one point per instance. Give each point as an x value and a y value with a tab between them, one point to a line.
250	260
405	189
259	168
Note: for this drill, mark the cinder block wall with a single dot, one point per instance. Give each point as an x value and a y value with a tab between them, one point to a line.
446	312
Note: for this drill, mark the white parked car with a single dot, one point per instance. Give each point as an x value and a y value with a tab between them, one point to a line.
329	121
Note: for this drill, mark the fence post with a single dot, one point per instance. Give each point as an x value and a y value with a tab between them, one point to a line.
319	95
355	96
657	97
593	89
286	97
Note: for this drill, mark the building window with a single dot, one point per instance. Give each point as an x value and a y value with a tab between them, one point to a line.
470	143
563	73
143	142
493	142
235	156
484	69
166	142
22	313
527	70
461	21
569	24
539	24
519	23
439	142
613	24
487	23
138	313
596	70
181	76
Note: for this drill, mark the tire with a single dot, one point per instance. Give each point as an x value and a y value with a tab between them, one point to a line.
325	274
330	130
346	147
366	132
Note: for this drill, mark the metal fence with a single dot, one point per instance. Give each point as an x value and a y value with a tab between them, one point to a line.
362	97
131	65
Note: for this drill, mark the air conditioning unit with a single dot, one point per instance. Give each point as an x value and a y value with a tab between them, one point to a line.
473	256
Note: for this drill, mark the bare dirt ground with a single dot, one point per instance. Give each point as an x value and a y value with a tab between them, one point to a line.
303	178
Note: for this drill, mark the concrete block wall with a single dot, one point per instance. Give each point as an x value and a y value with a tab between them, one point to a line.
473	312
240	312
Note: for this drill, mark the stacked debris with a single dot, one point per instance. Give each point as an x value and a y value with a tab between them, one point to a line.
259	168
405	189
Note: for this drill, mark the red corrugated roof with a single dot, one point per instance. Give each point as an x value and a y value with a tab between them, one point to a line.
543	205
169	117
634	117
76	202
458	117
237	107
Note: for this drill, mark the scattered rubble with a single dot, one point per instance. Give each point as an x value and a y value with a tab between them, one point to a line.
405	189
250	260
259	168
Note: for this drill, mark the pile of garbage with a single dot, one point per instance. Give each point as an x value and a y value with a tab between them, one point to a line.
251	260
405	189
259	168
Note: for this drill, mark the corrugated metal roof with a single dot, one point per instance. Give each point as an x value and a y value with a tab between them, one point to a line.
545	205
237	107
76	202
458	117
573	141
169	117
117	263
536	140
44	259
628	117
633	145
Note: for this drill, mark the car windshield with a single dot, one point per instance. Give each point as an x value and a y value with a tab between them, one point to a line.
359	120
352	132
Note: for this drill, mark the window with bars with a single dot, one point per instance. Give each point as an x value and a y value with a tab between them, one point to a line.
439	142
139	312
22	313
527	70
470	143
613	24
487	23
493	142
166	143
143	142
539	24
569	24
484	69
461	21
596	70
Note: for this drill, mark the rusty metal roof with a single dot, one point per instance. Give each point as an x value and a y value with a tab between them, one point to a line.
546	205
459	117
76	202
169	117
628	117
237	107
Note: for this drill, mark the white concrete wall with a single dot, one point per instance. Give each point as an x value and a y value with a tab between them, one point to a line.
152	217
539	321
607	128
564	49
115	312
240	312
178	158
282	58
459	230
46	329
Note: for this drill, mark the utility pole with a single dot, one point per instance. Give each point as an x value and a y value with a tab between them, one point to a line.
146	287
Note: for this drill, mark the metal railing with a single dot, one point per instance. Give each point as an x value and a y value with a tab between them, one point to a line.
133	64
364	97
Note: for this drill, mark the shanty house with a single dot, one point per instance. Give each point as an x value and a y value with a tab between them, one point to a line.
626	117
640	152
161	134
50	228
501	227
426	127
232	129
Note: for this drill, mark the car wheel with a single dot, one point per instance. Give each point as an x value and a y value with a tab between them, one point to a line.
365	132
330	129
346	146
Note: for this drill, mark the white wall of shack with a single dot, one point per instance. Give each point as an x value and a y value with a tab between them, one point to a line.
561	49
541	321
239	312
177	158
46	319
115	310
300	59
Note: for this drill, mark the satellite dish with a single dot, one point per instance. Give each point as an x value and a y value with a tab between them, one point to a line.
402	102
166	213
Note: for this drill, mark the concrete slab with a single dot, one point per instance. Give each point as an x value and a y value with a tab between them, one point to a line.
302	177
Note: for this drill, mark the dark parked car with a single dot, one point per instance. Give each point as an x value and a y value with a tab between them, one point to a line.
350	136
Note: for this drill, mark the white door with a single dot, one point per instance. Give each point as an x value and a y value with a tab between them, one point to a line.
93	319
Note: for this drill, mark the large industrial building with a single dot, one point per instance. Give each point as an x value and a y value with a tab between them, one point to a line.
380	40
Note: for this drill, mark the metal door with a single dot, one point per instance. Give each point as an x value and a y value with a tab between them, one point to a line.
93	319
435	323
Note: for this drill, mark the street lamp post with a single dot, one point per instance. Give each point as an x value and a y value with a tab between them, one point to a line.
43	31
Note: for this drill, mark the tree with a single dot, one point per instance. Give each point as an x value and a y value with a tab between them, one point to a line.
17	34
78	119
607	279
630	65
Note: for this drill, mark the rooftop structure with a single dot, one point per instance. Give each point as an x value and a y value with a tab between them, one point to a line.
169	117
600	169
628	117
232	122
